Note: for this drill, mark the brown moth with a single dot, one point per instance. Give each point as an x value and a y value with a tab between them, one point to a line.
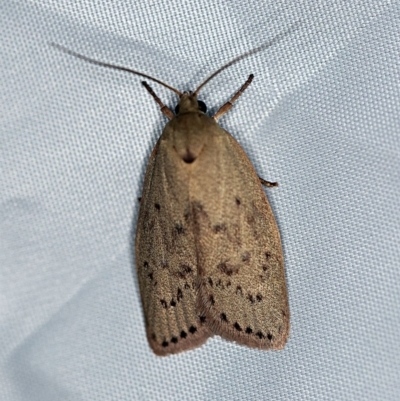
208	252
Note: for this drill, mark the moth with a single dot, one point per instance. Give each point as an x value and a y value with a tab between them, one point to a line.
208	251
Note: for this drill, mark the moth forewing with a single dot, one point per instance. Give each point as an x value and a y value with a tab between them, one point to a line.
243	290
166	259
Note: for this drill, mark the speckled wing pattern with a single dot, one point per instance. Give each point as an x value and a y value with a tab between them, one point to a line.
166	260
208	250
242	288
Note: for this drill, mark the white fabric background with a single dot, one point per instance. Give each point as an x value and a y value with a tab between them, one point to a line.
322	118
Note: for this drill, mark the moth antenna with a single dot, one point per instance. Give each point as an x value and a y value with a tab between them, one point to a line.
249	53
116	67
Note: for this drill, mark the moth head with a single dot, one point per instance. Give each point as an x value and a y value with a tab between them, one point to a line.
188	103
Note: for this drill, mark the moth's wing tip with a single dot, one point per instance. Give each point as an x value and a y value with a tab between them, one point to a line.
280	343
180	344
280	346
229	333
276	344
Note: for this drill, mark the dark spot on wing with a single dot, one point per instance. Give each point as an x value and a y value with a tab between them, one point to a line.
228	270
179	229
153	337
224	269
174	340
179	294
260	335
211	299
173	303
164	303
270	336
192	329
210	282
250	298
219	227
248	330
165	343
202	319
239	290
237	326
250	219
183	334
237	200
150	276
268	255
184	270
259	297
223	317
157	206
146	265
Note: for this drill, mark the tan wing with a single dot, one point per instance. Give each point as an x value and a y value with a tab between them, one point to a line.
242	288
166	258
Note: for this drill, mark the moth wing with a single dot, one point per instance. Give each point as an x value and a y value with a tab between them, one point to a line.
166	258
242	289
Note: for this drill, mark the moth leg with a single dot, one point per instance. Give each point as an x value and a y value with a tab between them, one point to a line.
267	183
228	105
164	109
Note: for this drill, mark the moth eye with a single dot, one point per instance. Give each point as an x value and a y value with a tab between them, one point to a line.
177	109
202	106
